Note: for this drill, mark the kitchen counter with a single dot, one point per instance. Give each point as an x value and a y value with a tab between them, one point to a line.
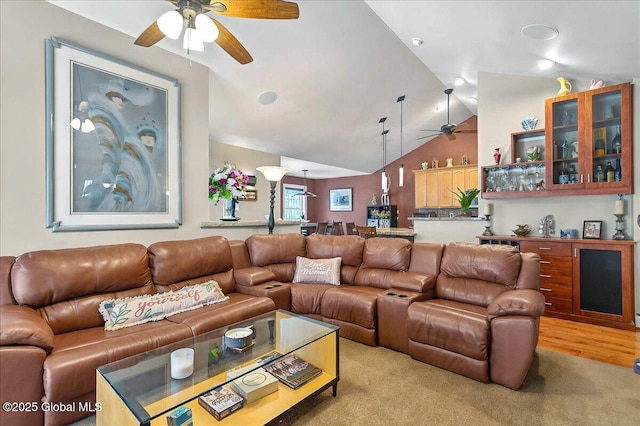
242	223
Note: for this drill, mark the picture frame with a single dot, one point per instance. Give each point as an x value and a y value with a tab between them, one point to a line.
592	230
113	143
252	195
341	200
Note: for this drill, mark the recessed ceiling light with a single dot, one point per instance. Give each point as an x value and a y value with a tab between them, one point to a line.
417	41
459	81
544	64
539	32
267	98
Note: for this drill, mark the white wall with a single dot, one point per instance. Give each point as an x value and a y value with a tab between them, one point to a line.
22	130
503	102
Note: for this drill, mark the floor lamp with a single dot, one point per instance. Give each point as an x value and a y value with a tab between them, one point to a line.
273	174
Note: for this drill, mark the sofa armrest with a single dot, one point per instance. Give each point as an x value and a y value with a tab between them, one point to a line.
253	275
279	292
412	281
21	325
517	302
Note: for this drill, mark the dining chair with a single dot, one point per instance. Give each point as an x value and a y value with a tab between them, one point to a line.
367	231
336	229
322	228
351	228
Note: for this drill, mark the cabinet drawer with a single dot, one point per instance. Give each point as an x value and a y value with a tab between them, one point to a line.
554	290
546	248
558	305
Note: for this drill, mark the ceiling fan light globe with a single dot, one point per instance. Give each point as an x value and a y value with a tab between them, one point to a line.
170	24
206	28
192	40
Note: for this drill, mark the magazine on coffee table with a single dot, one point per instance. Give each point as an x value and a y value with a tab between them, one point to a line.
293	371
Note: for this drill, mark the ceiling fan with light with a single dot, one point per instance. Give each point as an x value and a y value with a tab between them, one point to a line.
449	129
201	28
306	193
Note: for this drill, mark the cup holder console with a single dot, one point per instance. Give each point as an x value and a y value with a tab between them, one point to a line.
391	293
269	287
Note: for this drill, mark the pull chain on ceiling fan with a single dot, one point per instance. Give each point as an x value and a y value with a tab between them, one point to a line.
450	129
202	28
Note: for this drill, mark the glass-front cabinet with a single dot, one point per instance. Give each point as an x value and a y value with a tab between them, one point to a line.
589	142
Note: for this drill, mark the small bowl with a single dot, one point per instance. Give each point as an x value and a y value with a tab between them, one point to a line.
521	232
529	123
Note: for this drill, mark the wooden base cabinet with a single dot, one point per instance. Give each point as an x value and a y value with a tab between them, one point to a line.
583	280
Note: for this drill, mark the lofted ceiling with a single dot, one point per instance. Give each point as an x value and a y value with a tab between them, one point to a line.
341	66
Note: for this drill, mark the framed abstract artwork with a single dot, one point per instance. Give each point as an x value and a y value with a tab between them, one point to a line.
112	143
341	200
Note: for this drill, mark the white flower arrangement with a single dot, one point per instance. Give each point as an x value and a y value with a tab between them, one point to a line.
227	182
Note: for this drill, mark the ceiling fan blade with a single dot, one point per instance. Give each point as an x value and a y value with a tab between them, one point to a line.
429	130
150	36
257	9
231	45
466	131
429	136
451	137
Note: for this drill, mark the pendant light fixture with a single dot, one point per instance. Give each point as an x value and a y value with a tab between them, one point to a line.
384	154
306	192
401	168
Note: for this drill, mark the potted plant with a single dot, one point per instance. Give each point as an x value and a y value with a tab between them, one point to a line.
466	198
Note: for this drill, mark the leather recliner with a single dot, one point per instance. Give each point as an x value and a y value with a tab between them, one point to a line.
483	321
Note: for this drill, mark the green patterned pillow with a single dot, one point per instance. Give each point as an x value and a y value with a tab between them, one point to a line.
121	313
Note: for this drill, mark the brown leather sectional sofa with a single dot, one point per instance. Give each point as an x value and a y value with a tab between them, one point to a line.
470	309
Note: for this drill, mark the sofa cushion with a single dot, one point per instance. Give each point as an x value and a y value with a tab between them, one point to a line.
319	271
66	286
121	313
70	370
387	253
347	247
175	264
492	263
455	327
272	249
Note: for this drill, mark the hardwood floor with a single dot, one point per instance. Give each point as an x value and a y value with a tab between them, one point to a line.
618	347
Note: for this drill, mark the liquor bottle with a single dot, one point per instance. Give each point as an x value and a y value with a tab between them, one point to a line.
564	149
618	172
599	148
599	174
616	143
609	172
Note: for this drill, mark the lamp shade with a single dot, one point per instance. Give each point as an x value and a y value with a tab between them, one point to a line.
273	173
192	40
206	28
401	175
170	24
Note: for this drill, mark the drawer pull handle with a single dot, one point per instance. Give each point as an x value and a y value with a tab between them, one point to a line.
545	289
544	248
546	262
545	276
548	303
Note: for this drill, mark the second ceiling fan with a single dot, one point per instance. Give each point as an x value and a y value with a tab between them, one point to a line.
202	28
449	129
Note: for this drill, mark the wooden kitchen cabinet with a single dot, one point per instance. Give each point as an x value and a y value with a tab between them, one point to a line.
583	280
433	186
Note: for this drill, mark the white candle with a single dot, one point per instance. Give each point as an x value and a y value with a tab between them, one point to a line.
487	208
619	209
181	363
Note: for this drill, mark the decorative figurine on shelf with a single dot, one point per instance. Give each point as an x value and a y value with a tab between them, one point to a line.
522	230
465	160
434	164
564	90
547	226
449	162
374	200
596	84
497	156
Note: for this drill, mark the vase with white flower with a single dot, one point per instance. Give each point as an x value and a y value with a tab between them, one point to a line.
533	153
228	184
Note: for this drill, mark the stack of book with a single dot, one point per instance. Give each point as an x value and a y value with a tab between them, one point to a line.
293	371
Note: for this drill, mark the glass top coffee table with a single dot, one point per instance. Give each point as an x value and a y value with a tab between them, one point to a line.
139	390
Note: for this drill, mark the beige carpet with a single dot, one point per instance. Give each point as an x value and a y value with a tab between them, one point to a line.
380	386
